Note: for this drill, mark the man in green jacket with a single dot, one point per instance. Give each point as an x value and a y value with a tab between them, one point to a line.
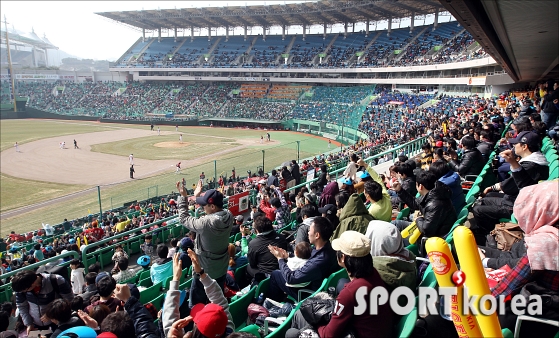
376	193
354	216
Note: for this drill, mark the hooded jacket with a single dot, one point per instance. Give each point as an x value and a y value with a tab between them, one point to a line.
354	216
534	168
303	231
260	258
471	164
160	272
436	207
396	271
212	237
32	305
329	194
452	180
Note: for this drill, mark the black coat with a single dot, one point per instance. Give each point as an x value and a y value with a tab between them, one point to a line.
296	173
498	259
260	259
436	207
485	148
143	321
471	164
530	174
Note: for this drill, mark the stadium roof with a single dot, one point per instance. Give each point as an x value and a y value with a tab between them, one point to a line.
520	35
26	38
294	14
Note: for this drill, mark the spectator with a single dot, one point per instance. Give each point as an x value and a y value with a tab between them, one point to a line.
76	277
319	266
537	208
406	177
295	172
351	169
485	147
239	220
329	194
354	216
5	332
185	244
212	320
90	288
212	236
59	311
124	272
442	172
363	176
147	246
550	111
260	259
308	213
302	255
329	211
38	254
426	157
273	179
106	285
162	268
531	168
34	292
376	193
279	206
353	254
434	203
472	160
323	177
99	312
394	263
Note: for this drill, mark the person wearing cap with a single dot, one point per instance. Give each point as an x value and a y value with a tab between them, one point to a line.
472	160
33	292
532	168
353	216
212	236
321	264
239	220
106	285
434	203
353	253
212	320
363	177
330	211
377	194
259	257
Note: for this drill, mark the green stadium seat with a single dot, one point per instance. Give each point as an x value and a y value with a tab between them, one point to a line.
253	329
263	287
142	274
146	282
238	308
406	324
158	302
134	247
186	284
404	213
150	293
106	258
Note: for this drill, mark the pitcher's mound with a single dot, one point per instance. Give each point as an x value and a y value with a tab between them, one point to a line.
171	144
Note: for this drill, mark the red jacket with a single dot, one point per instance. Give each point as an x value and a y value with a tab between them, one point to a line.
268	210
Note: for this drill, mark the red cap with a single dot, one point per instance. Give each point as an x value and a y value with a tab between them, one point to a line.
439	144
107	335
210	319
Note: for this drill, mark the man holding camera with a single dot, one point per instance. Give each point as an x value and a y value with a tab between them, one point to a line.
499	198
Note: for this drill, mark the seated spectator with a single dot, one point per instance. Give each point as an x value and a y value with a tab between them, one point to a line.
106	286
38	254
5	332
329	194
330	211
90	289
442	172
363	177
124	272
59	311
260	259
99	312
211	320
302	255
353	254
239	220
531	168
235	261
162	268
394	263
485	146
406	177
34	292
426	157
308	213
434	203
377	195
537	210
472	160
354	216
319	266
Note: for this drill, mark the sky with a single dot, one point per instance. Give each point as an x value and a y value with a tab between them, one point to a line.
74	27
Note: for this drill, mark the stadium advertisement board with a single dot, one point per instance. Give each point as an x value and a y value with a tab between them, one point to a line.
238	203
39	77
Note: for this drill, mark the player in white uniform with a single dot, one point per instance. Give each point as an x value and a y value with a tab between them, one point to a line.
131	157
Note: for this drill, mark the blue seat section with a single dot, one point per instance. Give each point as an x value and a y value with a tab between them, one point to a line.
157	52
266	52
343	49
134	51
190	52
303	52
227	52
426	41
384	46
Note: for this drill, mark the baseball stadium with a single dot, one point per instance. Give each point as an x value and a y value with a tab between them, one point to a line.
263	170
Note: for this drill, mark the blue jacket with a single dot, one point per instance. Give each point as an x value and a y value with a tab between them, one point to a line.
161	272
321	264
452	180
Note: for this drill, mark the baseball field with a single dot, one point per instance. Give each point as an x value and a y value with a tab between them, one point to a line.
44	183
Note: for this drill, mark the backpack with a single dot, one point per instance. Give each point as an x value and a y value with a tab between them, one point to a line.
505	235
56	270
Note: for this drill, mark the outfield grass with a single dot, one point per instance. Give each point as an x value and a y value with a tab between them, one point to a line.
114	196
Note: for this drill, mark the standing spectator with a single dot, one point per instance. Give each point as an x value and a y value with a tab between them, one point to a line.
76	277
147	246
376	193
351	169
34	292
295	172
212	236
278	205
273	179
106	286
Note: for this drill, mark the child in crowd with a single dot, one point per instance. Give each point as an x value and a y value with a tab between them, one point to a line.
77	278
302	254
147	247
173	248
38	254
119	252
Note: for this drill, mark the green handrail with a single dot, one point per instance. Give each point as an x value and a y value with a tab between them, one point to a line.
41	263
119	235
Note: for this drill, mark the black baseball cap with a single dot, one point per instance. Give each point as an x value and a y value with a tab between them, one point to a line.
329	209
527	137
211	196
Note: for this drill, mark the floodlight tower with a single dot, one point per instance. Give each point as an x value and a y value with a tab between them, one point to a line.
10	69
